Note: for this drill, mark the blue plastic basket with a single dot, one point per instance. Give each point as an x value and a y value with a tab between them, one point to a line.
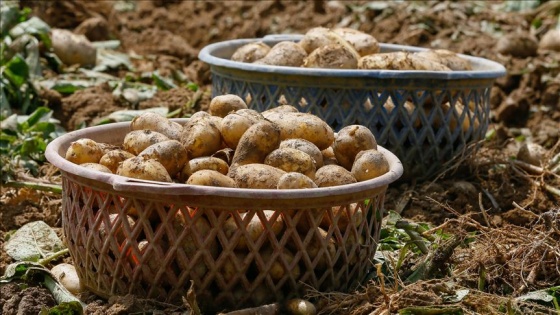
425	137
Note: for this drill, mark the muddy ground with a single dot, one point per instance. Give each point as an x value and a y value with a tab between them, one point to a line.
519	209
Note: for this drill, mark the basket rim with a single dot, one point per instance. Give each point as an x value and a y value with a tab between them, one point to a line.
54	155
214	55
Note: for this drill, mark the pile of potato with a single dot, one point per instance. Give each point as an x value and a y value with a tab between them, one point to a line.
233	146
346	48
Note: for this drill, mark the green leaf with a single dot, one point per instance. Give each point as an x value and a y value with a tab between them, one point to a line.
161	82
33	241
110	59
17	70
9	17
65	308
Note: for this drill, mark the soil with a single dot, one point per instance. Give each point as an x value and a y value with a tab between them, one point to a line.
525	105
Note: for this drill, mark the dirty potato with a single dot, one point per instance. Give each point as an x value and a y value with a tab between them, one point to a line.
284	53
365	44
170	153
155	122
97	167
137	140
331	56
204	163
286	108
250	52
84	151
222	105
305	146
140	168
333	175
349	141
235	124
256	143
303	126
343	216
113	158
295	180
277	269
292	160
328	156
256	176
447	58
254	228
201	136
399	61
369	164
210	178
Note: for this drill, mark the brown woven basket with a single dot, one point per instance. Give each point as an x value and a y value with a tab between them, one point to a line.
153	239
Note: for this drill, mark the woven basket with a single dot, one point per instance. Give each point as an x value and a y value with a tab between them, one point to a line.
179	234
424	137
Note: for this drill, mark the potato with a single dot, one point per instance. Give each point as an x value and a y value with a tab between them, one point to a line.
292	160
300	307
204	163
280	109
332	56
235	124
211	178
250	52
140	168
137	140
97	167
344	215
256	143
113	158
277	269
201	136
303	126
408	106
253	227
349	141
285	53
550	40
233	266
328	157
73	49
67	276
145	258
517	44
304	146
170	153
333	175
119	233
316	37
447	58
295	180
319	257
399	61
257	176
365	44
155	122
369	164
454	117
84	151
222	105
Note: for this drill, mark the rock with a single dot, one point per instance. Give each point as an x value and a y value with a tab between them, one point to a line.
95	29
550	40
517	45
531	153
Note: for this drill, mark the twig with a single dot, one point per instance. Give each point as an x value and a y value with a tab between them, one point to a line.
492	200
484	214
382	284
37	186
516	205
552	190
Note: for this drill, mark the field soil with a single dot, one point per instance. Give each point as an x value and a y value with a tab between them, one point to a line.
512	205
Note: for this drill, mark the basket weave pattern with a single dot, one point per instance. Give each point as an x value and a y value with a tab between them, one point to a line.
171	243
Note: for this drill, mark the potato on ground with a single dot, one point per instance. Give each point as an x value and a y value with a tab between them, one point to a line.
281	266
67	276
140	168
333	175
256	176
292	160
113	158
97	167
304	146
223	105
250	52
204	163
137	140
73	49
252	228
285	53
256	143
343	216
369	164
211	178
332	56
365	44
235	124
295	180
201	136
349	141
84	151
399	61
303	126
171	154
156	122
447	58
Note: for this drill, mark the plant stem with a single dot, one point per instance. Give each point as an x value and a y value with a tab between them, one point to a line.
37	186
54	256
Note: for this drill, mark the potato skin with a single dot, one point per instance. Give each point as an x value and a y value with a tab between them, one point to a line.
257	176
256	143
204	163
97	167
170	153
277	270
137	140
211	178
250	52
156	122
365	44
235	124
280	109
113	158
284	53
399	61
305	146
316	37
201	136
222	105
254	228
344	215
84	151
303	126
333	175
292	160
349	141
295	180
138	167
369	164
331	56
447	58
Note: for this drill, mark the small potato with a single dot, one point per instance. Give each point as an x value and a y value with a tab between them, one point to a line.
300	307
365	44
137	140
399	61
343	215
550	40
332	56
138	167
257	176
294	180
408	106
328	157
73	49
201	136
170	153
250	52
233	266
254	228
286	53
113	158
256	143
222	105
303	126
304	146
369	164
281	109
235	124
204	163
155	122
349	141
211	178
84	151
446	58
97	167
67	276
333	175
277	269
292	160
